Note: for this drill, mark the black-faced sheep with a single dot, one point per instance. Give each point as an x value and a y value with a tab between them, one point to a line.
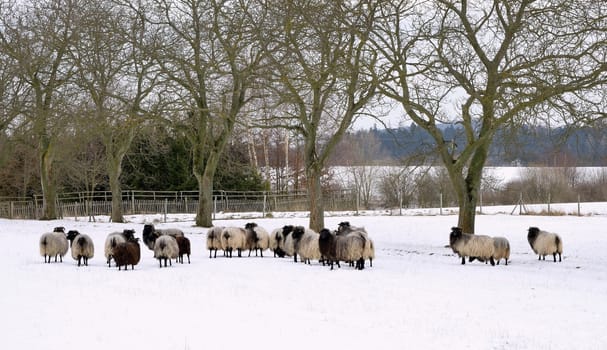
214	240
544	243
82	247
127	253
345	228
54	244
276	241
150	234
257	238
287	244
233	238
165	248
501	249
336	248
112	240
474	246
306	244
184	248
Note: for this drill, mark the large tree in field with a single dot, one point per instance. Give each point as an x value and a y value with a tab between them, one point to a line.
115	71
209	58
488	64
38	37
320	72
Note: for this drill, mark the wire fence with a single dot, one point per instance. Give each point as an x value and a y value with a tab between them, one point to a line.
82	204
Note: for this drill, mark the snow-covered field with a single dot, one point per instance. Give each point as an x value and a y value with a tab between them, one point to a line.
416	295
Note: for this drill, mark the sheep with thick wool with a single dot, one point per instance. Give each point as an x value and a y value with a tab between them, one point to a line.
287	244
233	238
501	249
474	246
54	244
544	243
127	253
112	240
214	240
150	234
184	248
166	248
82	247
306	244
257	238
345	228
275	242
336	248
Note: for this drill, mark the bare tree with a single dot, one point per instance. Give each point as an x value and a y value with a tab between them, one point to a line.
210	59
487	64
38	38
115	72
321	72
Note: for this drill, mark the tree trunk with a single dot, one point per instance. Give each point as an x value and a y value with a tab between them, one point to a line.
204	214
470	187
47	181
315	199
114	171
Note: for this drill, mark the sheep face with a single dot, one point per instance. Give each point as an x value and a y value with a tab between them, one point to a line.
129	235
250	226
71	235
149	236
456	235
532	235
286	230
59	229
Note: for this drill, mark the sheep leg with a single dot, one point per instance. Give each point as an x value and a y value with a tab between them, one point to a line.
250	253
554	256
492	261
559	257
160	262
188	258
370	262
463	260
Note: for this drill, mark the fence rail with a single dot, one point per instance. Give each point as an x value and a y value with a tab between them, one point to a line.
168	202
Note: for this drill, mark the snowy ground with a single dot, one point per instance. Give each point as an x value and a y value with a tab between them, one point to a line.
416	295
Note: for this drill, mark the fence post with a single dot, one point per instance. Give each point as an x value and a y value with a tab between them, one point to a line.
133	201
400	201
440	197
579	212
480	202
264	204
10	210
214	206
166	208
548	202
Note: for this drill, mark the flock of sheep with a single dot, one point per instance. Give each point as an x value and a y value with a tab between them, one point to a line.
493	249
348	244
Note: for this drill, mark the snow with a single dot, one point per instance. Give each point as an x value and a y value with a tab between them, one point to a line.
416	295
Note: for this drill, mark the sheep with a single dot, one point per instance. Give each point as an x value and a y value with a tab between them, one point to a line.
53	244
115	238
184	248
127	253
306	244
336	248
214	240
544	243
256	238
474	246
345	228
275	242
501	249
287	244
82	247
165	248
150	234
233	238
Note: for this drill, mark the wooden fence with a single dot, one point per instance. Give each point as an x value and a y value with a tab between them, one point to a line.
168	202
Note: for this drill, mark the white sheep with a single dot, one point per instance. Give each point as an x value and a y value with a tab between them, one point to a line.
345	228
287	244
501	249
214	240
474	246
150	234
112	240
257	238
544	243
306	244
166	248
233	238
82	246
275	241
351	248
54	244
